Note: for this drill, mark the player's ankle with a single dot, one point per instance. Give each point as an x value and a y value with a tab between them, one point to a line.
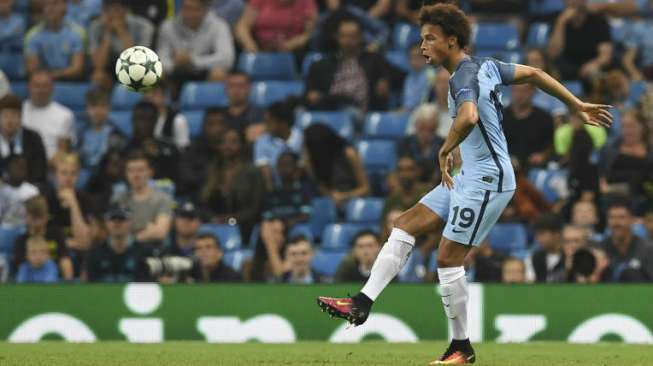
363	300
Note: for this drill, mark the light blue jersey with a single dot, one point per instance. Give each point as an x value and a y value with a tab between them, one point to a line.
486	162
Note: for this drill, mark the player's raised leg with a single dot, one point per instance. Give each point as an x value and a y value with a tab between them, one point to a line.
428	215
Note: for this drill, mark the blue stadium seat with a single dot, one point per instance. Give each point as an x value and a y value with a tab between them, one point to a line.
265	93
508	237
13	65
268	66
549	181
339	236
641	231
386	125
229	235
71	94
404	35
538	35
544	7
574	86
195	121
341	122
235	258
309	60
303	229
327	262
123	121
496	37
7	239
399	59
364	210
433	261
505	56
618	30
323	212
202	95
123	98
637	88
19	88
378	155
82	179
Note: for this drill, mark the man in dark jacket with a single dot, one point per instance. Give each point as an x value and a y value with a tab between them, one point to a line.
209	265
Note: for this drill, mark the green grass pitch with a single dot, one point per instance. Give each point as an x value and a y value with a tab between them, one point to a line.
316	354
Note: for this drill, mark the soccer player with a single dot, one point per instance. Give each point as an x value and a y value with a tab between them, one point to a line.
470	203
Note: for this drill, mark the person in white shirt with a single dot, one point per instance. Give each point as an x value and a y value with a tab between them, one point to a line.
53	121
171	125
14	193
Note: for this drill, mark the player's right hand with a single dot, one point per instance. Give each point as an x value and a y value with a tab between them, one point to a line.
595	114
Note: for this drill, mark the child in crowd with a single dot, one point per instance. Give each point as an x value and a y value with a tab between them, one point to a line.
39	267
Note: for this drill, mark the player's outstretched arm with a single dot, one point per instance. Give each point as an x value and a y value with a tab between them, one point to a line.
591	114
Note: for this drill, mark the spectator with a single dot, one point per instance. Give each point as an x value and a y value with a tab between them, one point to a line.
374	8
12	28
528	202
424	144
279	137
109	172
14	193
408	10
538	58
368	13
580	42
613	88
187	224
488	264
299	256
229	10
547	262
407	190
17	140
290	201
53	121
441	101
513	271
38	268
648	223
335	165
197	44
117	258
197	158
631	258
417	84
161	153
528	129
56	45
583	263
209	266
268	263
240	113
282	26
156	11
101	135
83	11
637	59
628	161
585	214
113	32
358	265
37	226
151	209
233	191
171	126
351	76
5	88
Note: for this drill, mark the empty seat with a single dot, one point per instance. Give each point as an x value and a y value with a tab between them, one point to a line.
7	239
496	36
341	122
544	7
13	65
195	121
326	262
364	210
235	258
268	66
323	212
404	35
339	236
386	125
228	235
551	182
265	93
399	59
123	121
123	98
19	88
71	94
202	95
508	237
538	35
309	60
379	156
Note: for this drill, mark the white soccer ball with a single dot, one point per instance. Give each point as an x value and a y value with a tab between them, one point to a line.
138	68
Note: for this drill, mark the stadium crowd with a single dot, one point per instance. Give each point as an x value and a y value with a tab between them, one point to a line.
288	134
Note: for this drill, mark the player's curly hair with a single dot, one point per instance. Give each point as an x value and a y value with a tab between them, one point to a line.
450	18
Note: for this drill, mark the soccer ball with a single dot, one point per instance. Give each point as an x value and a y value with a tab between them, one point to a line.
138	68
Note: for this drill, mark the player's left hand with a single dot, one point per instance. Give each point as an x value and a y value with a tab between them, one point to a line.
595	114
446	163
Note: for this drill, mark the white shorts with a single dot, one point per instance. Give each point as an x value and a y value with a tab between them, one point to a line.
469	212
